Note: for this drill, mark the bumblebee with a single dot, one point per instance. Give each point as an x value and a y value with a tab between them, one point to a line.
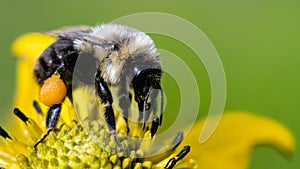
113	55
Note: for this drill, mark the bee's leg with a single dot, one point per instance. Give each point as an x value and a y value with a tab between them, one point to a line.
157	119
145	109
153	108
172	162
103	92
53	116
124	100
51	121
154	126
161	106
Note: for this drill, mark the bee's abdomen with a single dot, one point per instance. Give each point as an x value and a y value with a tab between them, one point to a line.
61	52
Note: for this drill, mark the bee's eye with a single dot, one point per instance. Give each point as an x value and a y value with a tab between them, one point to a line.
113	47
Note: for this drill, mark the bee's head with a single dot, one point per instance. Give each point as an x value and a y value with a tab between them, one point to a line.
144	81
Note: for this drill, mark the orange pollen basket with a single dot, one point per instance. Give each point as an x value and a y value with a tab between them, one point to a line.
53	91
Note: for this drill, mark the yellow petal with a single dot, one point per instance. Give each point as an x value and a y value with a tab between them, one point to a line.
231	144
31	45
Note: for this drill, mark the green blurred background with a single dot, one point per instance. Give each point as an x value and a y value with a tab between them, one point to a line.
257	40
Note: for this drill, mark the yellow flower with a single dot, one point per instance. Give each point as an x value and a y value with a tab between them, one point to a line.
79	143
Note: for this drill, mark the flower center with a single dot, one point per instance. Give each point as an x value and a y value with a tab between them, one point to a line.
85	145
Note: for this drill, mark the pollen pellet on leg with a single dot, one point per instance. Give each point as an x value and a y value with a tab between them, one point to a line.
53	91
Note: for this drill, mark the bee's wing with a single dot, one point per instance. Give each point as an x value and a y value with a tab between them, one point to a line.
77	32
69	31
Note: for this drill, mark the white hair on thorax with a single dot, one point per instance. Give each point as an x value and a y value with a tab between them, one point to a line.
137	40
